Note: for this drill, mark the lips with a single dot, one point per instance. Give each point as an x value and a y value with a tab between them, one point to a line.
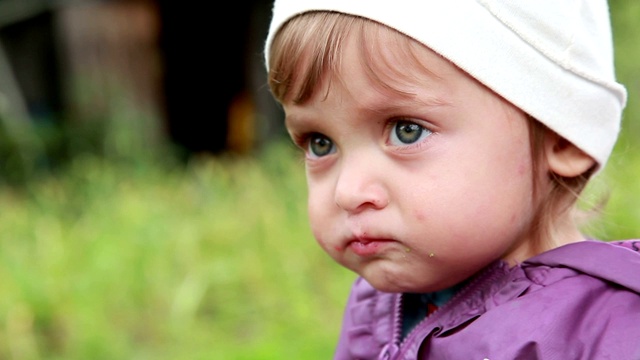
367	247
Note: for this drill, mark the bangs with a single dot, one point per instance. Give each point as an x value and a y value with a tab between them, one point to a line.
309	46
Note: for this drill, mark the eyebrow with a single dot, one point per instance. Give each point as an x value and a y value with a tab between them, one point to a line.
398	106
402	101
386	100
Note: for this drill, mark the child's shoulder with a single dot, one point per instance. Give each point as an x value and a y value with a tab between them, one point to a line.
615	262
633	244
578	301
581	300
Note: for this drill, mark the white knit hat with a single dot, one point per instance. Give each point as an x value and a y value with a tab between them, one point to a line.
551	58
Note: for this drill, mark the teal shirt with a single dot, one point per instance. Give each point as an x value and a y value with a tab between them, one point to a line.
415	306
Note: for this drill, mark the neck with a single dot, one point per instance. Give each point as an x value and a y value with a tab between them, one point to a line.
562	231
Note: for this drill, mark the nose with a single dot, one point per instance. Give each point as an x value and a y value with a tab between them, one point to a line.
360	186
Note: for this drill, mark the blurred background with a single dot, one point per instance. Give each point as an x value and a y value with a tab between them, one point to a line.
150	204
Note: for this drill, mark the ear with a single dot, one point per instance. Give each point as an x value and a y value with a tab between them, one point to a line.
564	158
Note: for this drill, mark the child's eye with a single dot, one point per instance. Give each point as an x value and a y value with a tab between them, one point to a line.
406	132
320	145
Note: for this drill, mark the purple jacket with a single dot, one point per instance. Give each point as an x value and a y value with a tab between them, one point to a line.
579	301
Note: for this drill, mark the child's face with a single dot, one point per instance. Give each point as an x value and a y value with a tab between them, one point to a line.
414	192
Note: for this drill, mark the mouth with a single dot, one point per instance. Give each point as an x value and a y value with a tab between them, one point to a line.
368	247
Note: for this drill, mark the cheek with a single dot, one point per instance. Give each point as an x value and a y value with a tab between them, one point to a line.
320	239
316	208
321	193
322	236
419	215
523	168
319	219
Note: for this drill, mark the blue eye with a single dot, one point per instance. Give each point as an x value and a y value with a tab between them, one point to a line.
406	132
320	145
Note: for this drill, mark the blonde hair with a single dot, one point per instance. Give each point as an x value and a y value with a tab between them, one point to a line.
309	46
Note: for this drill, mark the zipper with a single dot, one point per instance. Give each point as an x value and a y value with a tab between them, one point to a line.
393	348
390	350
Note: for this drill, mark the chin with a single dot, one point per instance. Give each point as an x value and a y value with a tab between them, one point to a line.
386	284
392	284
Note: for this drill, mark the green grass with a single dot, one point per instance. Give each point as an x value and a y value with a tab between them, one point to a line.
621	179
112	261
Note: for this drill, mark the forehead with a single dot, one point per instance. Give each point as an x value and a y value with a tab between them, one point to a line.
311	49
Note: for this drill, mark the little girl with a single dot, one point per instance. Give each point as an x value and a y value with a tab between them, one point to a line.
446	143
